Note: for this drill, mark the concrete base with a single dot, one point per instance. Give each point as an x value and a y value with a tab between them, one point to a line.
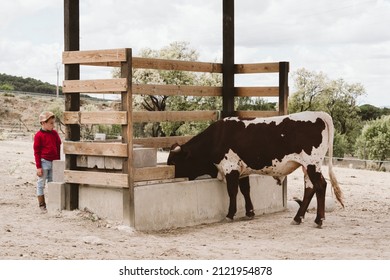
169	205
56	197
180	204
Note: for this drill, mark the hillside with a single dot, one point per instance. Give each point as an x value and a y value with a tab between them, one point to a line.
14	83
19	112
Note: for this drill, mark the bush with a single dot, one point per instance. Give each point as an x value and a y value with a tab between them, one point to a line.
340	145
373	143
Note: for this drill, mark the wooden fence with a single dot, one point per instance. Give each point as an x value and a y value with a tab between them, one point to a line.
126	117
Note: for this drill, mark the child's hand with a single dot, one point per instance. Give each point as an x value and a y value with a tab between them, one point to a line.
39	172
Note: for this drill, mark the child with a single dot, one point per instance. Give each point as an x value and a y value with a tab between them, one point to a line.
47	144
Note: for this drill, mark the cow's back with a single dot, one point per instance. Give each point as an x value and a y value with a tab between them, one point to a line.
262	143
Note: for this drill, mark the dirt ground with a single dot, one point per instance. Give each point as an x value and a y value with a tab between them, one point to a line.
359	231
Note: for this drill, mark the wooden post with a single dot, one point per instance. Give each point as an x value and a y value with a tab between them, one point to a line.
127	137
284	68
72	101
228	59
283	87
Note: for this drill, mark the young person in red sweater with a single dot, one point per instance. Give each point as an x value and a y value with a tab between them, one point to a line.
47	145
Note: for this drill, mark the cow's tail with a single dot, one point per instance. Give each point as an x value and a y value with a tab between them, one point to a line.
335	185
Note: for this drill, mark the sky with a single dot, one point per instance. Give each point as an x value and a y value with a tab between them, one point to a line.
344	39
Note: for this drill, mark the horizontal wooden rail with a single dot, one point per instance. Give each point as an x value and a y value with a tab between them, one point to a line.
95	57
256	114
256	91
95	86
177	65
161	142
119	180
253	68
170	90
104	117
159	172
163	116
96	149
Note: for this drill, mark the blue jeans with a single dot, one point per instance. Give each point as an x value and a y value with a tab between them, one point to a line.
47	175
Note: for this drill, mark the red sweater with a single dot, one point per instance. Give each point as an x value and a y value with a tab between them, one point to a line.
47	145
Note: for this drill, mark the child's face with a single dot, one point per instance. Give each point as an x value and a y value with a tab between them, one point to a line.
48	125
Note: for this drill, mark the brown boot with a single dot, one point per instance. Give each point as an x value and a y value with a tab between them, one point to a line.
42	203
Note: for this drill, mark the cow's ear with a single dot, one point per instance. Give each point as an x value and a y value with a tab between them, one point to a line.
176	148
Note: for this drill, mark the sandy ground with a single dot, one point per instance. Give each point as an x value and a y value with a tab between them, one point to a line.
360	231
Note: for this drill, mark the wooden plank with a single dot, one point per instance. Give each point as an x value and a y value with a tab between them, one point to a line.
161	142
118	180
176	65
154	173
256	114
252	68
96	149
105	117
171	90
94	57
95	86
256	91
163	116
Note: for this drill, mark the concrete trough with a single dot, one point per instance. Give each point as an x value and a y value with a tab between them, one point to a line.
170	205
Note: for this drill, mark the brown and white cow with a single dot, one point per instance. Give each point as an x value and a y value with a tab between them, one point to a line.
233	148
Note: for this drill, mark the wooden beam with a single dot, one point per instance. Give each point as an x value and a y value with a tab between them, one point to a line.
175	90
164	116
72	103
161	142
256	91
127	137
96	149
176	65
105	117
118	180
256	114
228	58
284	68
95	86
154	173
94	56
251	68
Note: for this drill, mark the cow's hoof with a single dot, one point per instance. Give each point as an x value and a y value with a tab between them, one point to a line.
250	215
318	223
297	221
229	220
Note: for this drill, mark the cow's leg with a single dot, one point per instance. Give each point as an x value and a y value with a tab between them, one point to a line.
307	197
320	188
245	190
232	188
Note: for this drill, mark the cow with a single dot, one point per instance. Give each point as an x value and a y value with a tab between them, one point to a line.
233	148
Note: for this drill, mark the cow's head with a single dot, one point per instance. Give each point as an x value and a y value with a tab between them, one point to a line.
189	164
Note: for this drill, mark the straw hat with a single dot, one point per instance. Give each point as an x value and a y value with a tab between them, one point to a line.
44	116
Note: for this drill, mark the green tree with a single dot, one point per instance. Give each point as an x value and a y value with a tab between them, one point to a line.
374	141
316	92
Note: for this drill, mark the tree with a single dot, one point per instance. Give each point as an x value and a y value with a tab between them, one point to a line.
176	51
373	143
316	92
